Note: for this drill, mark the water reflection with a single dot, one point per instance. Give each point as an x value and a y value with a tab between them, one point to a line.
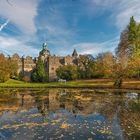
69	114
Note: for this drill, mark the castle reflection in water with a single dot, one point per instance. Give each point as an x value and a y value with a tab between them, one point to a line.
120	110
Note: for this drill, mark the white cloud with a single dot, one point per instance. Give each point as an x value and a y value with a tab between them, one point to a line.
20	12
98	7
120	10
88	48
9	46
94	48
124	10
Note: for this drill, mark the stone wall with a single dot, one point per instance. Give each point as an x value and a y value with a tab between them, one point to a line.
54	63
27	65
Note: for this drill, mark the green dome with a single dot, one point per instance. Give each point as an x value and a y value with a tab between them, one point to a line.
44	51
45	46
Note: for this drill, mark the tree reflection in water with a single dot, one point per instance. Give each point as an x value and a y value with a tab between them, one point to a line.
67	113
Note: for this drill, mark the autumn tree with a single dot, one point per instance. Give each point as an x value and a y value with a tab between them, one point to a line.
8	68
86	66
128	52
4	69
13	68
134	66
68	72
104	65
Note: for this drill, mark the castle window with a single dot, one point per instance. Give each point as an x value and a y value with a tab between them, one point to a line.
52	68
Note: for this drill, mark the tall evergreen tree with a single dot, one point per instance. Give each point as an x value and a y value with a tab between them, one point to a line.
128	50
39	74
134	36
129	40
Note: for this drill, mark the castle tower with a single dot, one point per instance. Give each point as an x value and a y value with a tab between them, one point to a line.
75	54
44	53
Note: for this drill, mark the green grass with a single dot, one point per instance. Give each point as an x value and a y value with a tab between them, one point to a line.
94	83
82	83
12	81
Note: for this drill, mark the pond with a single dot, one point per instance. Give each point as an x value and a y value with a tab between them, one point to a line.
55	114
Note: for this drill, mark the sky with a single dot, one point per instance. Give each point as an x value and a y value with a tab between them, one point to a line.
89	26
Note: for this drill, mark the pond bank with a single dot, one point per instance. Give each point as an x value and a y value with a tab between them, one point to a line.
89	84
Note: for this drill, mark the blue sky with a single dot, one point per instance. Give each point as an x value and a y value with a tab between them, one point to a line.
90	26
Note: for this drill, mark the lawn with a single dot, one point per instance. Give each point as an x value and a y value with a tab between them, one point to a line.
94	83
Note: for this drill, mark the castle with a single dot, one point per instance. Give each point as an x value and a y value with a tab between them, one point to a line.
27	65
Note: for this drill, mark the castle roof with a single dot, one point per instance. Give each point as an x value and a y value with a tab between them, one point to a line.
15	55
45	50
74	54
2	55
29	57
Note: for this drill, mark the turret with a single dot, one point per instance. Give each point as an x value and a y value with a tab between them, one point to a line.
44	53
74	54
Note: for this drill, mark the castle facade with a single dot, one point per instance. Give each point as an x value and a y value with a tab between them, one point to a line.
28	64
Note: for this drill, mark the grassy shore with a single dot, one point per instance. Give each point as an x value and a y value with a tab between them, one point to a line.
95	83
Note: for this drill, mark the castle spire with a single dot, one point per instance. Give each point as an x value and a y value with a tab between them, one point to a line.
74	54
45	46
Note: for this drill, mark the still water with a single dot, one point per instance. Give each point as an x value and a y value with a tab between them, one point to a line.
68	114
